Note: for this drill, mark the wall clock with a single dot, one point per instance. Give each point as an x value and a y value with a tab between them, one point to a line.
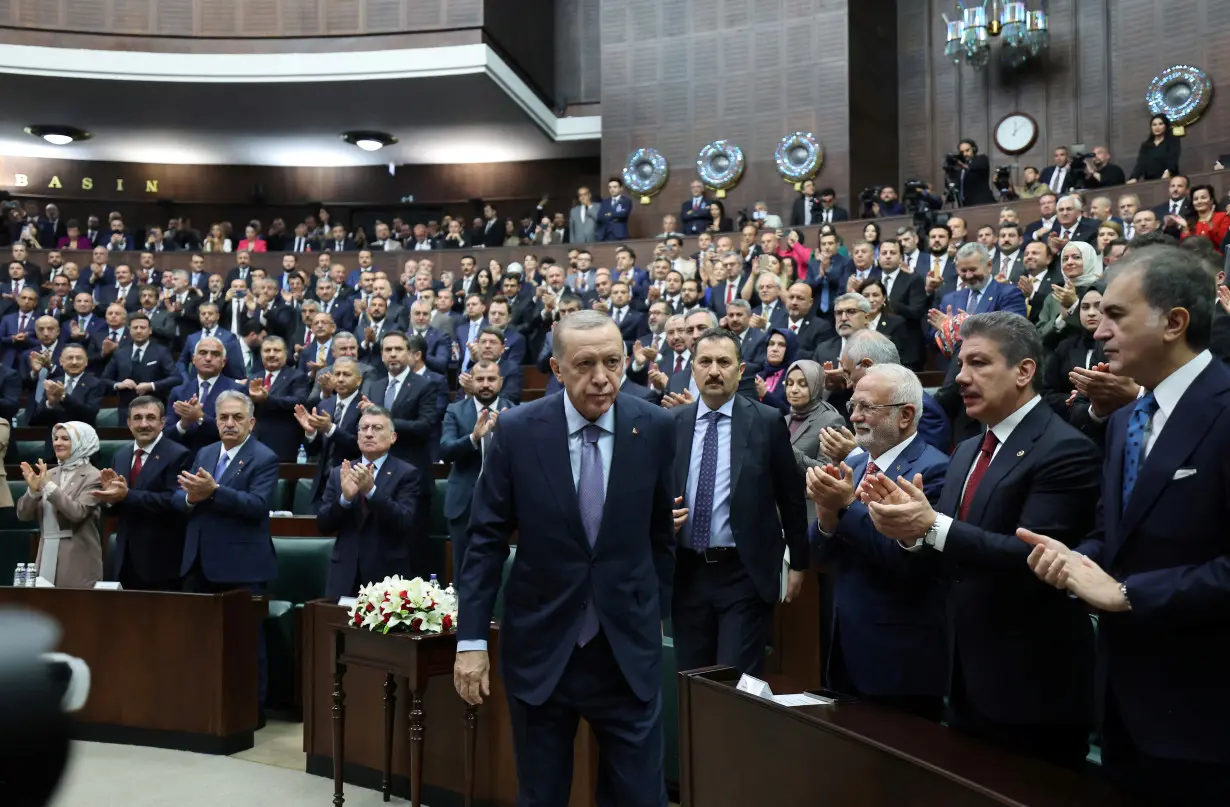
1016	133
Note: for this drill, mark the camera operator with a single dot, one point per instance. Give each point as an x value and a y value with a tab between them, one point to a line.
886	203
974	169
1100	172
1032	186
1004	188
1060	176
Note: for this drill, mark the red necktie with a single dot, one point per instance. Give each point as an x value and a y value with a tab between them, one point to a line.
872	469
730	292
679	364
268	380
980	467
136	467
794	326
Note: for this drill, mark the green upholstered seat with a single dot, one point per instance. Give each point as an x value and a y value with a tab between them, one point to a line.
8	516
107	450
301	499
108	418
29	450
303	569
670	712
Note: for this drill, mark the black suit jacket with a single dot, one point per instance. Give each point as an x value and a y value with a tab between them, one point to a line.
276	426
343	444
760	457
372	539
83	405
811	333
1042	289
149	532
799	207
976	182
908	300
415	418
1069	179
156	367
1024	649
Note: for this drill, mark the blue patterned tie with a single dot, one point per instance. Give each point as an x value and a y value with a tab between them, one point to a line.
591	495
220	468
701	510
1134	446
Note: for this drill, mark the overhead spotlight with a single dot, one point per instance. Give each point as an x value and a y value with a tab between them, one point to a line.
58	135
369	141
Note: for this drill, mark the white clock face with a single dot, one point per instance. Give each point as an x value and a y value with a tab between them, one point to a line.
1015	134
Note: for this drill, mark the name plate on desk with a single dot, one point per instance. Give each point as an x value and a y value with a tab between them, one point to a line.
347	602
103	585
754	686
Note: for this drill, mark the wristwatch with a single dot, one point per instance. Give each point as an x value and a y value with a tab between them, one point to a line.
932	533
1126	600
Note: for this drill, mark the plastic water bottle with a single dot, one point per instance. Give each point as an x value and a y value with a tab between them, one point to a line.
433	582
31	575
301	458
19	576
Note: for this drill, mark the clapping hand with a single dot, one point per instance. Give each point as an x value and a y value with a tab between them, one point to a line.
1055	242
681	514
939	319
832	489
364	403
1223	297
674	399
483	425
54	390
1026	285
757	321
657	379
190	411
1058	566
836	442
256	389
198	486
1106	392
903	514
114	487
762	389
349	480
34	478
933	282
466	382
834	377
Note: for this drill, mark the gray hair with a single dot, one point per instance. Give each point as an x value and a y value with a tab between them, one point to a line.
739	302
213	339
1077	202
236	395
1015	336
769	276
871	345
359	366
907	389
1105	199
379	412
856	298
713	319
729	254
181	273
345	336
974	250
675	317
580	321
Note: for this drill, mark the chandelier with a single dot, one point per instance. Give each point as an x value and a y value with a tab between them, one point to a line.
1024	32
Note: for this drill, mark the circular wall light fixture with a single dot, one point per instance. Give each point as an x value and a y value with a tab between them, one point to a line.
369	141
58	135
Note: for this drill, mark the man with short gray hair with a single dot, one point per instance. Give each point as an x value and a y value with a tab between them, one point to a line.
886	603
867	349
981	293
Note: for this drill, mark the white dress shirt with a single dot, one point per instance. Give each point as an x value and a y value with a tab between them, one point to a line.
1169	392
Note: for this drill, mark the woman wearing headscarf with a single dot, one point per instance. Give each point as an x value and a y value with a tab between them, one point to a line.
809	413
780	349
1077	349
61	500
1081	266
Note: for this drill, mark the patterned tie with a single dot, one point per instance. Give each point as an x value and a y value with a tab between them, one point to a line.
136	466
678	364
591	495
703	506
871	470
220	468
989	442
268	380
203	394
1134	445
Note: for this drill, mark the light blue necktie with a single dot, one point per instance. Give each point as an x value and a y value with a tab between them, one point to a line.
390	394
591	495
220	468
703	508
1134	445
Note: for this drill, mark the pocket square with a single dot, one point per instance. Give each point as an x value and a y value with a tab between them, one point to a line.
1184	473
150	363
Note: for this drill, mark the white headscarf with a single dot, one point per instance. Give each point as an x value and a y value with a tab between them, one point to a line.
1091	263
84	441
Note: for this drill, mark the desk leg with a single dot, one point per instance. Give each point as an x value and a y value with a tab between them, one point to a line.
471	749
417	730
339	720
390	701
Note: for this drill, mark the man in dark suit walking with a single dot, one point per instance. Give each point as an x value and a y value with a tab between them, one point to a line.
367	505
1156	567
227	499
276	393
1021	653
742	505
137	489
469	427
591	647
887	638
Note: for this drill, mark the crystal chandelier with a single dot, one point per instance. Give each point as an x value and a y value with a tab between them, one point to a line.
1024	32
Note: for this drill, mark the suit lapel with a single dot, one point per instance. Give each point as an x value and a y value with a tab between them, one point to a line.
1011	454
741	421
149	467
552	448
1185	428
626	463
906	459
236	465
685	430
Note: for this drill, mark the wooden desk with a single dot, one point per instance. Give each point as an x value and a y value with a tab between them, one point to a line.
736	749
166	670
443	783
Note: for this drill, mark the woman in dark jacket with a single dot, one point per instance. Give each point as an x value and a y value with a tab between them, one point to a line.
1078	350
719	222
780	352
1159	154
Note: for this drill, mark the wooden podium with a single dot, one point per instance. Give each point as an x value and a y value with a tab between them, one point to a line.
737	749
167	670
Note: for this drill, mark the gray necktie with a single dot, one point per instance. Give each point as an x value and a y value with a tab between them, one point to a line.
390	394
591	496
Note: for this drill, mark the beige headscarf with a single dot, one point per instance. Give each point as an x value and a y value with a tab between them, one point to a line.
84	443
1090	260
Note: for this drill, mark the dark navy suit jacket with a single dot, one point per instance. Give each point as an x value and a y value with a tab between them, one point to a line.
527	486
205	432
230	530
157	367
149	531
234	355
276	426
343	444
888	604
465	458
15	352
372	539
613	218
1164	661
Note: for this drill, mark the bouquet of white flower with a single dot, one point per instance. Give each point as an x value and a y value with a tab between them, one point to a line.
397	604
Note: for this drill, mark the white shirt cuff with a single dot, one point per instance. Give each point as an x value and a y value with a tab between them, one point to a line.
942	524
179	427
472	644
332	429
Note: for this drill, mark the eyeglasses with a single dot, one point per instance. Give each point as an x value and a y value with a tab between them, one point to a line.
855	406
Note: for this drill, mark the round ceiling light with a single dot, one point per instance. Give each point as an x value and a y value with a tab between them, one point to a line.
58	135
369	141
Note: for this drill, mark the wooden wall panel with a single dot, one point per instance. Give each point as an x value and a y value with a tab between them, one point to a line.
679	74
1089	89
